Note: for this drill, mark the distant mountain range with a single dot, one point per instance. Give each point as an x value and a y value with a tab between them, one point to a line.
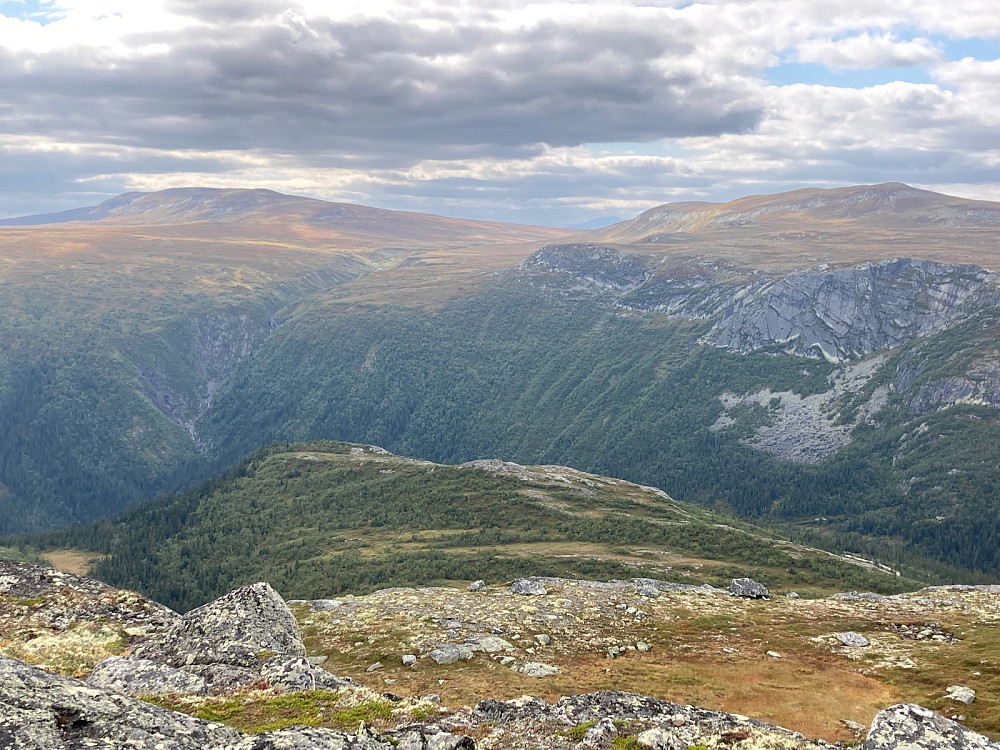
821	360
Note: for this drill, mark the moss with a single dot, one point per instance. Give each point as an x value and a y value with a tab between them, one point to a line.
626	743
579	731
424	712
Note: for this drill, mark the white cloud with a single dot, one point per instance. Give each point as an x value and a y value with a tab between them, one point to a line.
869	51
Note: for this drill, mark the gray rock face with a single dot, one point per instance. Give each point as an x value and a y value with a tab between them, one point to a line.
850	638
602	266
47	711
242	629
840	314
528	587
910	727
748	588
143	677
302	738
223	678
848	313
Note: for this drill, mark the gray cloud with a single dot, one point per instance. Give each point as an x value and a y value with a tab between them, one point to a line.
375	86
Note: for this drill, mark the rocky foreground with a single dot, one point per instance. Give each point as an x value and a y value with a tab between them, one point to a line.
242	675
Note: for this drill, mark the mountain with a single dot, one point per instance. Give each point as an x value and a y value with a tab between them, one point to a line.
120	326
812	226
599	223
324	519
822	361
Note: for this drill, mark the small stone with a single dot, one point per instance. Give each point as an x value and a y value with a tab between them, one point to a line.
792	595
409	660
317	660
774	654
479	585
643	647
678	720
542	639
854	726
507	660
855	640
373	667
647	591
432	698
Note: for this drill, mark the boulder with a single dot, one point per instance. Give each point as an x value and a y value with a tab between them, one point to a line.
449	653
748	588
244	628
850	638
911	727
144	677
491	644
961	694
528	587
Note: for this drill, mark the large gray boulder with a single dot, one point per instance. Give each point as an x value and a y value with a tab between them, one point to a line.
911	727
144	677
244	628
748	588
528	587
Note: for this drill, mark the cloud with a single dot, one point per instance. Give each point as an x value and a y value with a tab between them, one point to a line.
869	51
496	109
300	84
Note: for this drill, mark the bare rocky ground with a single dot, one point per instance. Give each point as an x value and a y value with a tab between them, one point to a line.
642	664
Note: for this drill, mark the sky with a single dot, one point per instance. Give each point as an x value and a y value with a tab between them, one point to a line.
537	112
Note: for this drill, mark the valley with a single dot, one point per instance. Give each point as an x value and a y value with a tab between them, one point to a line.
770	357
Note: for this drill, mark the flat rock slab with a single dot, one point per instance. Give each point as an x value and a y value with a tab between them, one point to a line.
144	677
534	668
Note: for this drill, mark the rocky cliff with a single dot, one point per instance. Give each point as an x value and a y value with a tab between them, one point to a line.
238	673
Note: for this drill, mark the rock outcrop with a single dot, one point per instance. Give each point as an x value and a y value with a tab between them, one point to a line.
241	629
44	711
910	727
